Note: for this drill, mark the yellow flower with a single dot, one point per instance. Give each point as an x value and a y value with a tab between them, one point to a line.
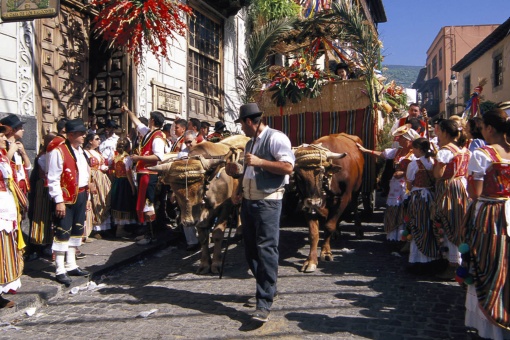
302	60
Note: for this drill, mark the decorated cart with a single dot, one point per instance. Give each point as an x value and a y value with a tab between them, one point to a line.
342	106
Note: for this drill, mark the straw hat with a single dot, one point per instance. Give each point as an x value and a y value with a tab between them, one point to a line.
407	132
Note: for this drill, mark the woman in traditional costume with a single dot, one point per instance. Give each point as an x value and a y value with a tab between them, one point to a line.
420	183
402	156
452	200
123	188
41	206
11	239
98	218
485	262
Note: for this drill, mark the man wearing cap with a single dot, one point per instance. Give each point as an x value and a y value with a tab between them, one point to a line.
109	145
219	132
68	181
268	163
152	149
20	163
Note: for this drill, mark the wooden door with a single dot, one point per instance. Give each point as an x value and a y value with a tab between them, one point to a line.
109	84
63	66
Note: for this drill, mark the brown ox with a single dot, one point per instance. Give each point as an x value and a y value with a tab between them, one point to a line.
327	182
203	191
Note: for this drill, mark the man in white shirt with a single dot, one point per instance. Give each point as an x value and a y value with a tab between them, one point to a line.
68	184
109	145
268	162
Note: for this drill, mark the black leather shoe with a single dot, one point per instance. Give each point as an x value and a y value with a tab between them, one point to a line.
78	272
64	279
193	247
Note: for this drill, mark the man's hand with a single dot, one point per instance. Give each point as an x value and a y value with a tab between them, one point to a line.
124	108
60	210
89	206
253	160
237	198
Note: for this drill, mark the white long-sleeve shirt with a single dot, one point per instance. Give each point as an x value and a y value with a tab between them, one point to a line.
55	168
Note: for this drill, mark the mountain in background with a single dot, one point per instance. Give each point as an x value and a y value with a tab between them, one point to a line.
403	75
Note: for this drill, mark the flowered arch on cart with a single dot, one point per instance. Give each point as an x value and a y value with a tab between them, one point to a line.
133	25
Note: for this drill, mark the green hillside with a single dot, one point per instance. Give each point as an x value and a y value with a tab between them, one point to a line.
403	75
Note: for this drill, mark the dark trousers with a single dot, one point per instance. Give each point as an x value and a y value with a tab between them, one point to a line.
72	223
261	233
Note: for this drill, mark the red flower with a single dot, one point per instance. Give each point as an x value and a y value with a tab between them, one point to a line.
131	24
301	85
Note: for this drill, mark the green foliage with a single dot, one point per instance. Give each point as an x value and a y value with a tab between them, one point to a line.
258	48
269	10
401	74
384	137
487	106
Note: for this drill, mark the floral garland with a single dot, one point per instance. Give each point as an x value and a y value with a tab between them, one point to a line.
131	24
299	80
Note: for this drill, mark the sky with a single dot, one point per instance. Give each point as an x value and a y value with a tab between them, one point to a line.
413	24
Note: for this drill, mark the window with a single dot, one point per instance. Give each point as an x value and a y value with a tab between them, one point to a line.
467	87
498	70
440	58
434	67
204	65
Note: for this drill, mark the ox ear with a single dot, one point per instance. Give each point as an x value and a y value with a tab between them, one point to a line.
333	169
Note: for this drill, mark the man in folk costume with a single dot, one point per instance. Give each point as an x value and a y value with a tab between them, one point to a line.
20	163
68	183
219	132
152	149
179	127
413	112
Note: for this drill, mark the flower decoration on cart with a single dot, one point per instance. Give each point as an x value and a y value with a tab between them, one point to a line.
301	79
133	25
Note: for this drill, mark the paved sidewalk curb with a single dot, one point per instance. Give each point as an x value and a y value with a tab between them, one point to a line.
38	285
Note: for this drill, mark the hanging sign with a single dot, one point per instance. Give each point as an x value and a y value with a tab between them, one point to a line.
21	10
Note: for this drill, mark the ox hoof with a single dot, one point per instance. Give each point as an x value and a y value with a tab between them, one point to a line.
202	270
327	257
216	268
309	267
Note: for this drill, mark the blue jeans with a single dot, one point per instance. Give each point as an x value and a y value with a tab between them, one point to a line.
261	233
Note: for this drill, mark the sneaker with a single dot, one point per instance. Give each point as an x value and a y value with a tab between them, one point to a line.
144	241
80	255
261	315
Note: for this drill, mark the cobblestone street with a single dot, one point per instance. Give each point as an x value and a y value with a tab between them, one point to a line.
364	293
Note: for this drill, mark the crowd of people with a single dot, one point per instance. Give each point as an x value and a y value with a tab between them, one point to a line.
448	200
85	185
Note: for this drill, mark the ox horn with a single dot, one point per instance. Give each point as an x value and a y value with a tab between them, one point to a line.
335	155
161	167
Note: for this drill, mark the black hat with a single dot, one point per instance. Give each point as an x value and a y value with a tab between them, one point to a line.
248	110
219	125
167	127
340	66
4	129
111	124
75	125
12	121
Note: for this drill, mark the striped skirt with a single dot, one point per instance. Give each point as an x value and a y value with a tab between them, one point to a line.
393	218
421	225
489	246
99	216
41	223
451	204
11	260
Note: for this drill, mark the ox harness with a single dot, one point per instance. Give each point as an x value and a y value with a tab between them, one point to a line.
318	160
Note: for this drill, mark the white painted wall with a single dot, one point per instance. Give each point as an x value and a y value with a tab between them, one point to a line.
8	68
